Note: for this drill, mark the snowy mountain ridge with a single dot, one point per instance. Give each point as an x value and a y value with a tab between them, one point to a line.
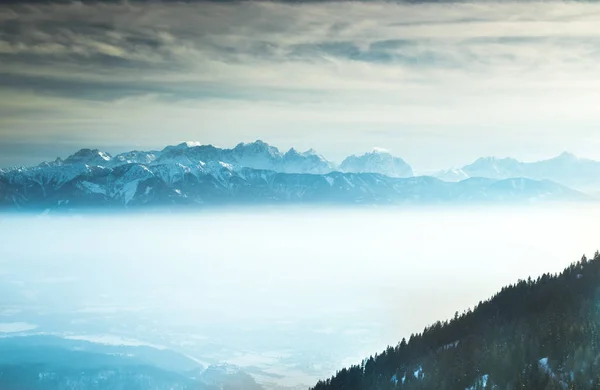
257	173
256	155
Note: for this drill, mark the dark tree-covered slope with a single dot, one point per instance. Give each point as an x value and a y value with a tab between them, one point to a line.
536	334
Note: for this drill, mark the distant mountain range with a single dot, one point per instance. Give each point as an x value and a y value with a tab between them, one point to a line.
258	173
567	169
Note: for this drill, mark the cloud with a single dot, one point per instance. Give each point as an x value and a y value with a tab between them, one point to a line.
380	149
195	49
163	71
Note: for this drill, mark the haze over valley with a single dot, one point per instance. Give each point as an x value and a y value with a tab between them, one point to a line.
286	295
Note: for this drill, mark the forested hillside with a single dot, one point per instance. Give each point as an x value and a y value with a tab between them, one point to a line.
536	334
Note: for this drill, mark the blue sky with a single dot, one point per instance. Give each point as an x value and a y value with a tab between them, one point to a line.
439	84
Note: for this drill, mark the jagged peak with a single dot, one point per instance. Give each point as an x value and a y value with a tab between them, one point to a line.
377	161
292	152
47	164
312	152
258	146
376	153
258	143
183	145
84	154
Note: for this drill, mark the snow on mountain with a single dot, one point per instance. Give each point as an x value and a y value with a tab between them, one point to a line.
305	162
135	157
257	173
187	155
127	180
216	183
89	157
47	174
219	170
452	175
377	161
171	173
257	155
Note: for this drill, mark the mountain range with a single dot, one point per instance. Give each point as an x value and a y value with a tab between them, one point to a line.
567	169
258	173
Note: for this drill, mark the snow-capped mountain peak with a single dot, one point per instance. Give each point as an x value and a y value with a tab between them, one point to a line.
88	156
257	147
377	161
134	157
292	152
305	162
181	146
257	154
311	152
452	175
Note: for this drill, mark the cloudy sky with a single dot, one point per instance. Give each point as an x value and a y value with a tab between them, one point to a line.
439	84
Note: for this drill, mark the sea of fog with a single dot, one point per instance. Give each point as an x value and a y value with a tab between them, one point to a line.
290	295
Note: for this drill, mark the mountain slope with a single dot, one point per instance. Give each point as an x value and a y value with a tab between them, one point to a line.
538	335
138	185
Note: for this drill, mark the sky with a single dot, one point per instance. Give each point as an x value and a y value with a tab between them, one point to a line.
437	83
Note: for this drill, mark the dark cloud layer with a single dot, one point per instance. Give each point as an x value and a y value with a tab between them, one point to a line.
155	48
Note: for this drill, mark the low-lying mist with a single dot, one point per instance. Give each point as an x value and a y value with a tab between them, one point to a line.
292	295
